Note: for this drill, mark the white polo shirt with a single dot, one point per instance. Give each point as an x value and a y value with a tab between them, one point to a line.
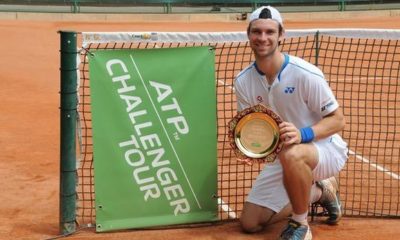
299	94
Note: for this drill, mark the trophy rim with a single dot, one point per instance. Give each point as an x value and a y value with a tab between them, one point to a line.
274	134
270	153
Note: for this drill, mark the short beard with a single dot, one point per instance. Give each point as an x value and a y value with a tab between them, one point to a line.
271	53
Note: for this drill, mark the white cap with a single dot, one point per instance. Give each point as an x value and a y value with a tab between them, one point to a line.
268	13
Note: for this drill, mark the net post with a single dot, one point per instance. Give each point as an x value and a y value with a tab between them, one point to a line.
167	7
254	5
68	115
342	5
75	7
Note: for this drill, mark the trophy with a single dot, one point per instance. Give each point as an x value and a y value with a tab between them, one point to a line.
254	134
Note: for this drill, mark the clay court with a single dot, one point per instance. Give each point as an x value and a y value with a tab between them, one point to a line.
29	129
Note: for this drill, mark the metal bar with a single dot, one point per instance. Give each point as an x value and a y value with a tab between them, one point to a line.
68	115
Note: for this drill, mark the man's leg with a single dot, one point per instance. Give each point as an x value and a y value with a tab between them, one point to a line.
255	218
332	158
267	201
298	161
329	199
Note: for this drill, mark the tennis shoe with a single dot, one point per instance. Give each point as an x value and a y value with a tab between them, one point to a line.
330	200
296	231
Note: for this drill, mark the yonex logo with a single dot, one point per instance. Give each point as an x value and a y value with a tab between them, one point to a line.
259	99
327	106
289	89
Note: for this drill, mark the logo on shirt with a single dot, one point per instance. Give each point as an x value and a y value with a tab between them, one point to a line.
289	90
327	106
259	99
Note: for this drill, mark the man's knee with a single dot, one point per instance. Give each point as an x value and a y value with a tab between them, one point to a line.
250	225
254	217
296	156
290	158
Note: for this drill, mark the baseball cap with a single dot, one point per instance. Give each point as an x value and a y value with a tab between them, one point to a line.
266	12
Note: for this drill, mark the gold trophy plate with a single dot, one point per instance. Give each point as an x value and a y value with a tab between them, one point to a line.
254	133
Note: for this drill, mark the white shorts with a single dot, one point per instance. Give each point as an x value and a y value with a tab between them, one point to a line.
268	189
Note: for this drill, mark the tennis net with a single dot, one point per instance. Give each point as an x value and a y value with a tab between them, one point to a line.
361	66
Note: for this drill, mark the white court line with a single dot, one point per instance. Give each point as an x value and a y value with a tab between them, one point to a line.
225	84
225	207
380	168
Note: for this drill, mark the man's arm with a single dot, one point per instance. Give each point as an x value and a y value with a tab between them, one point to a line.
329	125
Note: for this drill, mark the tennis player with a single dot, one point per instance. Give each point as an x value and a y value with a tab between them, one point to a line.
313	152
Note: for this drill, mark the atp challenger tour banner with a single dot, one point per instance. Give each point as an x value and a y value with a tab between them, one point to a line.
154	135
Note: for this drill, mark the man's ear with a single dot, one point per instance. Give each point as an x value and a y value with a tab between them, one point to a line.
282	35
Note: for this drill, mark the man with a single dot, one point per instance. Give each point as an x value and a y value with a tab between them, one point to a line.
312	151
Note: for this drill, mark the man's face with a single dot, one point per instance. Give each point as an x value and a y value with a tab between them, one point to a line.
264	37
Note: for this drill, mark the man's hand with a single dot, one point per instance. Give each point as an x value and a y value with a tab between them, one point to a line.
289	134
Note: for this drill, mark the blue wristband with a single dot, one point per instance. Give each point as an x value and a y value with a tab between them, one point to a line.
307	135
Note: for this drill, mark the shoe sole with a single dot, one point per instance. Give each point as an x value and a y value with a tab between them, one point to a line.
308	235
336	221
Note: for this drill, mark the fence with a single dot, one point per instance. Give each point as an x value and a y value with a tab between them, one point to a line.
169	6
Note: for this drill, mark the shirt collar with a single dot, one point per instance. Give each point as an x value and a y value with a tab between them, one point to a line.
285	63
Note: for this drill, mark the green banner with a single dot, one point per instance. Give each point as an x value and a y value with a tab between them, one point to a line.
154	136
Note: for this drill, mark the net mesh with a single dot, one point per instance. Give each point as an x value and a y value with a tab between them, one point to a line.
362	72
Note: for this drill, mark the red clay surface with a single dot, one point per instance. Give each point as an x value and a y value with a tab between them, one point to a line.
29	135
